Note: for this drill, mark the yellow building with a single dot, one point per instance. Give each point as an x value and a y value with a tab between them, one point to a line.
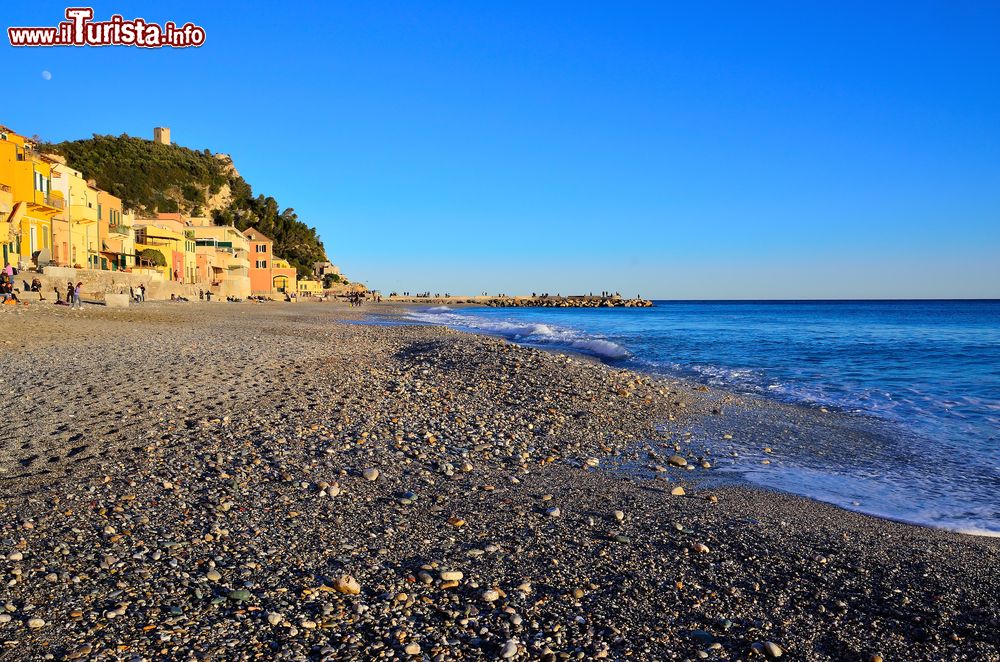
168	243
28	176
76	228
283	276
182	262
6	207
310	288
115	234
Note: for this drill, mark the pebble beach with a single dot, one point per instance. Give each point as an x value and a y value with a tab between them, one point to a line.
191	481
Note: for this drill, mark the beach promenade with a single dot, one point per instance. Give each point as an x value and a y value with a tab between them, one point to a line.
276	481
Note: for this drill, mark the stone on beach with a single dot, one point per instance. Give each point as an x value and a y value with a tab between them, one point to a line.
509	649
347	584
768	648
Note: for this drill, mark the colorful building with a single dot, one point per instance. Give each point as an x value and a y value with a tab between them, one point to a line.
310	288
171	236
268	274
168	243
223	258
27	175
76	228
6	207
115	234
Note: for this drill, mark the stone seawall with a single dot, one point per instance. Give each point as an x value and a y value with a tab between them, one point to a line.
97	284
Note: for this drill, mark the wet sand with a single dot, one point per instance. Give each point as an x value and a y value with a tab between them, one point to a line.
196	481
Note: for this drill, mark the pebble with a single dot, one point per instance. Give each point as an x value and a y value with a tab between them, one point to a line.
619	515
554	511
451	575
509	649
35	623
678	491
677	461
412	649
489	595
371	474
274	618
700	548
348	585
768	648
213	575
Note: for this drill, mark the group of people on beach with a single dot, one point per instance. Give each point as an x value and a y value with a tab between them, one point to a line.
8	293
72	297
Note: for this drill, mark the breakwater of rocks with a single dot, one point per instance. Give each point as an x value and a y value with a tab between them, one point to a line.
525	301
568	302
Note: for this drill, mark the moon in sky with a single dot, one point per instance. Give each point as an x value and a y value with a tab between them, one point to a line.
47	75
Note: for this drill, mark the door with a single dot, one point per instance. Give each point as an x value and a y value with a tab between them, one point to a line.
33	244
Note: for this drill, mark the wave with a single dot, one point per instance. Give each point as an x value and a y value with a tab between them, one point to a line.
535	334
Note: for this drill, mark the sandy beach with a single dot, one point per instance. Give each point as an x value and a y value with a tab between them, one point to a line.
276	481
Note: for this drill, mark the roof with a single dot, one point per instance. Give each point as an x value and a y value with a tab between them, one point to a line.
257	235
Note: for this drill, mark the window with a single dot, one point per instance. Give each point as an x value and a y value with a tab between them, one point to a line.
261	248
99	211
262	264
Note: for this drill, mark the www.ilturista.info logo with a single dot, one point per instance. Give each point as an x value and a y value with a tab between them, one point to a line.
81	30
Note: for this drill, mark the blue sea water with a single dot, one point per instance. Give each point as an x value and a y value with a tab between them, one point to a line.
916	385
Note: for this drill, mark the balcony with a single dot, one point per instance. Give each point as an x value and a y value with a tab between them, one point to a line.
117	228
46	204
82	214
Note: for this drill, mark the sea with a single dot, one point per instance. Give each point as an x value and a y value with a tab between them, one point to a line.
909	391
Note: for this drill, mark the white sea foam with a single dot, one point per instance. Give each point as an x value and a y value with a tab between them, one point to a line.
530	333
604	348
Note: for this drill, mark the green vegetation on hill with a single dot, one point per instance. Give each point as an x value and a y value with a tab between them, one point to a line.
150	177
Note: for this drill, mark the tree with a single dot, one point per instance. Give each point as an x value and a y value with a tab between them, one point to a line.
153	257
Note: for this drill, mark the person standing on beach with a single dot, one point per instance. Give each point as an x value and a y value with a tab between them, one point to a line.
142	292
76	296
69	292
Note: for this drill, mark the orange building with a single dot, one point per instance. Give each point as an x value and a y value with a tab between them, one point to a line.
268	274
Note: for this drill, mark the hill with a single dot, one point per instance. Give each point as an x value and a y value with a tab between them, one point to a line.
151	177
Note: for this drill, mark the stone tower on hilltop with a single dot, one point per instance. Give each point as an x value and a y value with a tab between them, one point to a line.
161	134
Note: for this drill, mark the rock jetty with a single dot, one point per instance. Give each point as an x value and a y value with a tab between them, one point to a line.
568	302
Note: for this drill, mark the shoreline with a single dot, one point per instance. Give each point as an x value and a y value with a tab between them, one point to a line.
763	422
208	488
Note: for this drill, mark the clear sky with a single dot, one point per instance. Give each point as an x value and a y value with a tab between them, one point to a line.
676	150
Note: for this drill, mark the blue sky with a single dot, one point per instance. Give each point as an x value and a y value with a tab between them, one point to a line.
675	150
